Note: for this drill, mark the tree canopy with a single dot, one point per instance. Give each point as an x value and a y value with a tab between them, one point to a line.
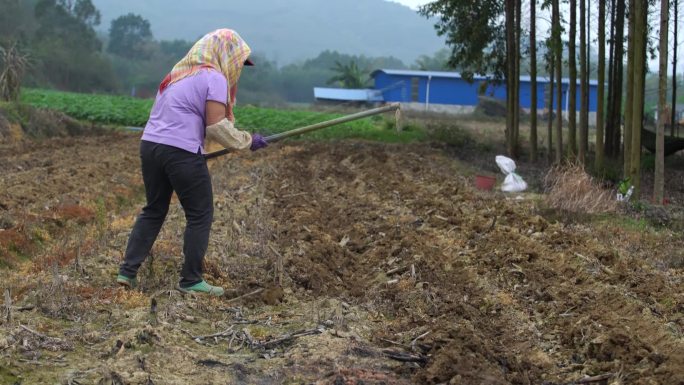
349	75
129	36
475	33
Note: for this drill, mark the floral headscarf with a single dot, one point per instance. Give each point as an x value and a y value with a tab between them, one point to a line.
222	50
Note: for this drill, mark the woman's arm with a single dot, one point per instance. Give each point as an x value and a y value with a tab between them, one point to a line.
215	112
229	113
221	129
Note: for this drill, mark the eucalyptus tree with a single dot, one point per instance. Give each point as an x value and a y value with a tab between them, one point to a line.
612	142
584	84
639	52
600	108
572	87
533	80
659	177
675	38
556	30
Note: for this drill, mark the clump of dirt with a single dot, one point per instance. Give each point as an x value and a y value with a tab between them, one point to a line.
4	126
52	186
400	231
344	262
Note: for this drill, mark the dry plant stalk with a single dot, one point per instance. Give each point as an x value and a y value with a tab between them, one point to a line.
13	65
570	188
8	306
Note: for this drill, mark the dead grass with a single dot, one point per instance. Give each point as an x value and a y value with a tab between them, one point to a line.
12	238
80	214
570	188
14	64
55	297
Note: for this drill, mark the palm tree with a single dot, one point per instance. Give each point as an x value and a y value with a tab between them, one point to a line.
349	75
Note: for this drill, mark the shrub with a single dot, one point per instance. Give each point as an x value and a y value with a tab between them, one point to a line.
13	66
570	188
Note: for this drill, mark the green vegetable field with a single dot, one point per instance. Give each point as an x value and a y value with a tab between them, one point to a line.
105	109
127	111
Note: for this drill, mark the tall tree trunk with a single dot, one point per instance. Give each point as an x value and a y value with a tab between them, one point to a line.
549	128
588	22
675	38
659	177
609	125
617	79
629	111
510	76
572	90
601	86
558	50
533	80
588	8
516	79
584	84
640	31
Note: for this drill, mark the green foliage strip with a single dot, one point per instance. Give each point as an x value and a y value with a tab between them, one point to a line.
127	111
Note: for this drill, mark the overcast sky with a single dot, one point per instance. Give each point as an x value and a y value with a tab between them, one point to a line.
412	3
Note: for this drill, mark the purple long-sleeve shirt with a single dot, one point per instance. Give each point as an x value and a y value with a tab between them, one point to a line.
178	116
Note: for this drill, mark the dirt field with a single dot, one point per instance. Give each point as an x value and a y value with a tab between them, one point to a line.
359	263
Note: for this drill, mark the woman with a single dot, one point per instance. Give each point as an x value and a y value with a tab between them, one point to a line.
195	100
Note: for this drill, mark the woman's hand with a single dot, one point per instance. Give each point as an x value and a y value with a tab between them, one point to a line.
258	142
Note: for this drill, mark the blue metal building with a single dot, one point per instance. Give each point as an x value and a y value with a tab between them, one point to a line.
336	95
449	88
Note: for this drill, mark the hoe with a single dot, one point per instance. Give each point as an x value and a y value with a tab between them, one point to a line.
314	127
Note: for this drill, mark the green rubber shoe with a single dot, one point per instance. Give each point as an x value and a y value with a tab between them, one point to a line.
203	287
130	283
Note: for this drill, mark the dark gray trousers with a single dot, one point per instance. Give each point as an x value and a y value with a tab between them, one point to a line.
166	169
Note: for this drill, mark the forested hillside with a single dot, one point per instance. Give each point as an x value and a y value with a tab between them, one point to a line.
127	47
288	31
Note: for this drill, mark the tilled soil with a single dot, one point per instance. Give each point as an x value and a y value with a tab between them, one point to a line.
359	263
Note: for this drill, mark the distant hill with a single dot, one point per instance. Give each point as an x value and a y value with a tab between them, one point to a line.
292	30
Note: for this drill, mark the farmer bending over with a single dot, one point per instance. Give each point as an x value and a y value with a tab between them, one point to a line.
195	100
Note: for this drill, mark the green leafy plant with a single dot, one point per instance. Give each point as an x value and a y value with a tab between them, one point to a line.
128	111
624	185
105	109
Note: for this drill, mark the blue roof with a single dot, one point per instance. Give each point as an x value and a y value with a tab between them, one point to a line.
434	74
457	75
360	95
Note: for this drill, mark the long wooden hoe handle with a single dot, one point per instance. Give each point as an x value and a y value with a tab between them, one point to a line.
314	127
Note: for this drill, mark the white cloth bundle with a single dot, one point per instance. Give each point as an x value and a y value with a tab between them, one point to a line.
513	181
228	136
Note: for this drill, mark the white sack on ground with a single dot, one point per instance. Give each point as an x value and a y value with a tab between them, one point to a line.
513	181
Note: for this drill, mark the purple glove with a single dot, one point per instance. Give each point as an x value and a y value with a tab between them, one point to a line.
258	142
